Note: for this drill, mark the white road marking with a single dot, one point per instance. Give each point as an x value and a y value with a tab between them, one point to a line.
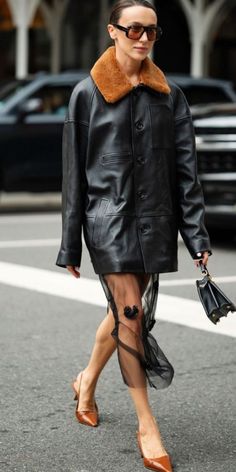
30	243
55	242
30	218
175	283
169	308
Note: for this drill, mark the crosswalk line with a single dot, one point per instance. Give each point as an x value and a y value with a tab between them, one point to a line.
169	308
30	243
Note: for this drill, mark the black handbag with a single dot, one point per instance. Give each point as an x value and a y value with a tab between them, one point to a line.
215	303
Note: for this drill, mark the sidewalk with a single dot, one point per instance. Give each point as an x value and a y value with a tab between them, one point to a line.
27	201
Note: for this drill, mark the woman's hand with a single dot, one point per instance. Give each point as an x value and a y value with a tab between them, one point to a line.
74	271
203	259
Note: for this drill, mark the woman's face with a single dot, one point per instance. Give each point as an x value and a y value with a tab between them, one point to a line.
135	15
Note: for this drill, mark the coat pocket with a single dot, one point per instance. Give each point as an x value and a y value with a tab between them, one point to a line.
98	226
162	125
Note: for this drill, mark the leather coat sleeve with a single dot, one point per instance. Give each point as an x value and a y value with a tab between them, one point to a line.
73	188
191	210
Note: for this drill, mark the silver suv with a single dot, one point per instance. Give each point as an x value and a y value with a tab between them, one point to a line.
215	127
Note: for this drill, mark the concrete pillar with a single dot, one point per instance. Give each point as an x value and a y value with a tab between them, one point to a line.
219	19
197	39
200	18
23	12
54	15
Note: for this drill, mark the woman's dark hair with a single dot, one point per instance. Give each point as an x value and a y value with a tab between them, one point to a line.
120	5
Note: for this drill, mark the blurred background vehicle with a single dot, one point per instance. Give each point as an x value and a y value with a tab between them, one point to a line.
215	127
32	113
204	90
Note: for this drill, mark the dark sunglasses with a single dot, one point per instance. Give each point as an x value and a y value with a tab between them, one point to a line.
135	32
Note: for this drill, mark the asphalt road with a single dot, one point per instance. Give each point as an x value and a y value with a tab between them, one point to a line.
46	338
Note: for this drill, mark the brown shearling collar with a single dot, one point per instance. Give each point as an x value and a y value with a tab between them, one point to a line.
112	82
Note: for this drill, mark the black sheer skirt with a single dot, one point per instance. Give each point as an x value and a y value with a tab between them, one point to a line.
132	299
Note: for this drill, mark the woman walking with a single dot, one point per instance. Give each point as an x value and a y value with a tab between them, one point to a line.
129	179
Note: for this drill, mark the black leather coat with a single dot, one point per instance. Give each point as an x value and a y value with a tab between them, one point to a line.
129	173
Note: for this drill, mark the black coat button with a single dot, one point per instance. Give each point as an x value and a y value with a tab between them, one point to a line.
142	195
140	159
139	125
145	228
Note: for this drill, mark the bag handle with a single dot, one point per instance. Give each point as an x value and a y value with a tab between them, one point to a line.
204	269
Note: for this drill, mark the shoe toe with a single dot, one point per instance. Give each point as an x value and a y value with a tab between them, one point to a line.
161	464
90	418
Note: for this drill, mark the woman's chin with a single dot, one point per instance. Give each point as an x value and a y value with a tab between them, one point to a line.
140	54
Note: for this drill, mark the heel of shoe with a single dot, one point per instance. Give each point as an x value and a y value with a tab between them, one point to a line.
139	444
76	397
89	417
74	390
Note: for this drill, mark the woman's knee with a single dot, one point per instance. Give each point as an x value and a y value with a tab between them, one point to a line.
127	299
131	315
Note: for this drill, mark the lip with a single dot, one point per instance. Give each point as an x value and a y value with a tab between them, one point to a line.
140	48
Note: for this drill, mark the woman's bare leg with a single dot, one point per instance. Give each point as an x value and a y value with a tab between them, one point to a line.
150	435
103	349
127	290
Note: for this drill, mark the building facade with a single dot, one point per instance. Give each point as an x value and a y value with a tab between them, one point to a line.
83	36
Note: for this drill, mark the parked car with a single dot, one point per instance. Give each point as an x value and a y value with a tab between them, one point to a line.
32	113
204	90
215	127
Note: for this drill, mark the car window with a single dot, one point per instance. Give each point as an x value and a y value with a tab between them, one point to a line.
201	95
8	90
54	99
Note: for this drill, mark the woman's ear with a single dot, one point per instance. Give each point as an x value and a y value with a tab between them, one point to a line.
112	31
